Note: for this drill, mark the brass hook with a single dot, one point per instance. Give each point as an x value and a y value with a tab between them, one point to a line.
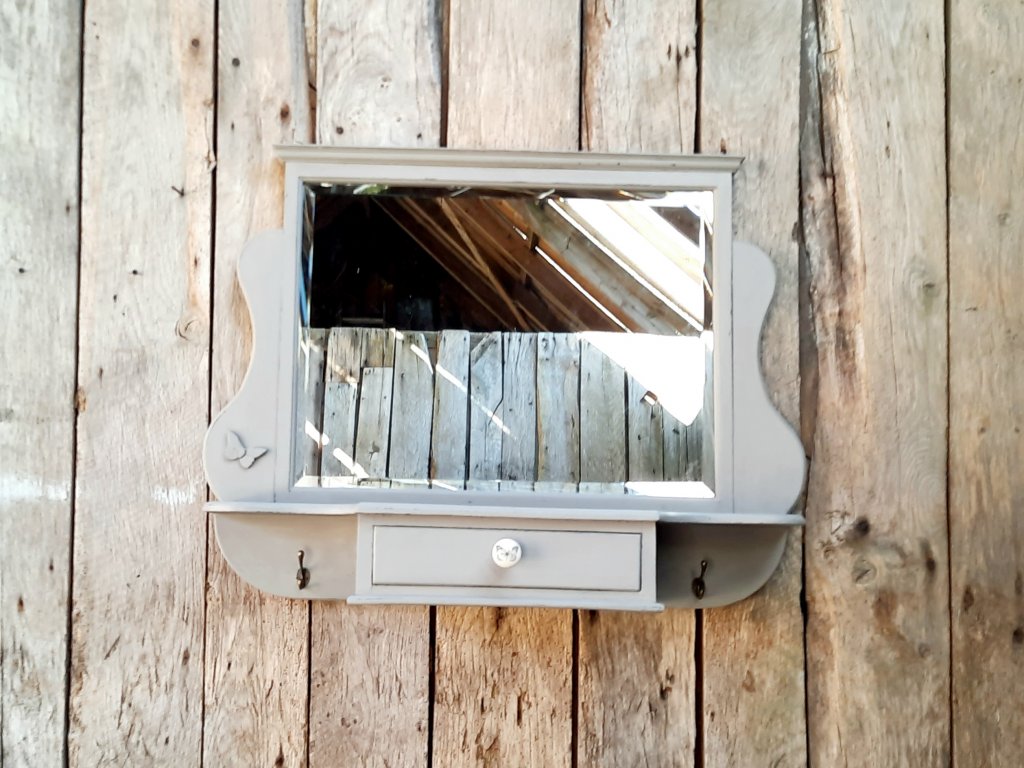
302	575
698	583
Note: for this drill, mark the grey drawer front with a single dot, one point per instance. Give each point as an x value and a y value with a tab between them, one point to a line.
461	557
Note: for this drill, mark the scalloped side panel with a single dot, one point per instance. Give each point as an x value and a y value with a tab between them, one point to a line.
768	456
242	446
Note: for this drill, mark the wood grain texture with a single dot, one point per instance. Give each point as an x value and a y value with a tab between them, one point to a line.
646	420
450	427
369	698
873	176
639	96
518	412
412	408
485	382
373	427
256	658
602	417
379	73
503	690
310	404
558	407
140	533
753	651
639	76
514	74
378	77
511	85
39	142
986	397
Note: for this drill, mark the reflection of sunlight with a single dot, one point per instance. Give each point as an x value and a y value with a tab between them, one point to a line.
682	489
445	486
670	368
450	378
580	289
420	353
349	463
316	435
447	376
656	253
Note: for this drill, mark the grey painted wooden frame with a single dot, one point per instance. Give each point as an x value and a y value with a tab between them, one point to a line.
263	519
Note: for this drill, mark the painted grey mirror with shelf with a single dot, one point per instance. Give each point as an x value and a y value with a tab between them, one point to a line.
455	349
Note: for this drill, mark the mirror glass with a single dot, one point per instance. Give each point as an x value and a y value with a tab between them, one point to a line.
547	340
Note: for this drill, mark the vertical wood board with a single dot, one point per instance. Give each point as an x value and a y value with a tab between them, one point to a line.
518	412
558	407
450	426
413	408
256	664
39	143
874	212
636	672
136	686
513	83
754	650
986	397
378	75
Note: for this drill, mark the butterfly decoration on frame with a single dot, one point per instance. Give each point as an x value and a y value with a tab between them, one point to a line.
235	450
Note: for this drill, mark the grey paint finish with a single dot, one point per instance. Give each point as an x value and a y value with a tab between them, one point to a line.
406	555
262	520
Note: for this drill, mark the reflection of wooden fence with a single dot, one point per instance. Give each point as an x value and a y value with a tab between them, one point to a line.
549	411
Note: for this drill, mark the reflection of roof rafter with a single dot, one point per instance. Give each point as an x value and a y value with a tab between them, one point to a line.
562	262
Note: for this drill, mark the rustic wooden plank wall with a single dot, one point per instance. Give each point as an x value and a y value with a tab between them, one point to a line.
39	145
137	601
256	661
986	386
874	221
894	631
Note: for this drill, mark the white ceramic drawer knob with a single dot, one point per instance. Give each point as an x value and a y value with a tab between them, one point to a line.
506	553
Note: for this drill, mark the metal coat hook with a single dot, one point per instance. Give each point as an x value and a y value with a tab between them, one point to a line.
698	583
302	575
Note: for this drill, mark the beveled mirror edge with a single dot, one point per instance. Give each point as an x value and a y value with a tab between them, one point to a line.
309	164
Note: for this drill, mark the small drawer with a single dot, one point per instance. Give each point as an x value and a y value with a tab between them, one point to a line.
535	562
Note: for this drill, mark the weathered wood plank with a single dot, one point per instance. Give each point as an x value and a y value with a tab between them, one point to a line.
873	202
378	80
485	391
349	350
504	75
39	143
753	651
637	674
137	628
379	74
986	397
373	430
645	418
602	417
412	408
341	403
256	662
640	60
361	708
310	404
518	411
558	407
450	427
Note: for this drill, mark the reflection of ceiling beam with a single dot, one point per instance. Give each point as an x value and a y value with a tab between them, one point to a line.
634	303
498	236
429	231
